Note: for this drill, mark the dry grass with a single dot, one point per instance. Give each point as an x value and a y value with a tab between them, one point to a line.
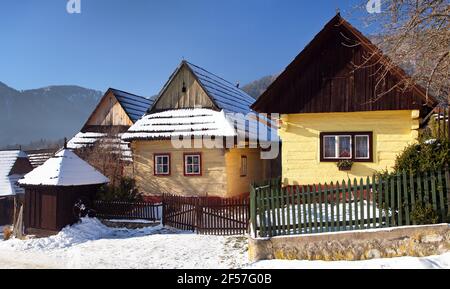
7	233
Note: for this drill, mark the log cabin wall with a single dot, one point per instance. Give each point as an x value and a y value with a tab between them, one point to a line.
257	171
213	180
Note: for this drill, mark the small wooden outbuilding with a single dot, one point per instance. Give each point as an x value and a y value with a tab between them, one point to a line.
53	189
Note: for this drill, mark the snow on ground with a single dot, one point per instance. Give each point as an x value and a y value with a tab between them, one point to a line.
90	244
325	212
299	216
1	231
137	221
433	262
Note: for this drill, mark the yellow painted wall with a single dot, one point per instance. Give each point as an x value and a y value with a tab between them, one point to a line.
393	131
212	182
257	170
220	170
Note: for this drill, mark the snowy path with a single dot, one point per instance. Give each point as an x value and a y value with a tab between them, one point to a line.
92	245
19	260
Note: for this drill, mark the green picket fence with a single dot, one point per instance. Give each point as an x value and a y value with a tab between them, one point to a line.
377	202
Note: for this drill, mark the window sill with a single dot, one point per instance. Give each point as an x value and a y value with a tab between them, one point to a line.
340	160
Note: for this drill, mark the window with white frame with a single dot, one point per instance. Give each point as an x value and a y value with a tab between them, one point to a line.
162	164
346	146
192	164
337	147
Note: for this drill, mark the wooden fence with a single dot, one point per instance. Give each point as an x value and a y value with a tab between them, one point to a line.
377	202
441	123
207	216
128	210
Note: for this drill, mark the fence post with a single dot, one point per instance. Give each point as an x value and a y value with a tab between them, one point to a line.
253	227
447	185
448	124
198	215
399	200
163	217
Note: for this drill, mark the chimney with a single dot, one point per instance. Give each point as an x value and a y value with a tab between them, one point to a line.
65	143
238	84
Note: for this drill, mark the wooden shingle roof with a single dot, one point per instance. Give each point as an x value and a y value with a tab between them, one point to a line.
134	105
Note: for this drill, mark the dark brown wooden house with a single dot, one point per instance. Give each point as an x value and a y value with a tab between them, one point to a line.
53	189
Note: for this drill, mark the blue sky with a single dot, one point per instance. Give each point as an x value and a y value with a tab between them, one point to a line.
135	45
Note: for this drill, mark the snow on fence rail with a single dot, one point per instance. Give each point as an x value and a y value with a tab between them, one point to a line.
377	202
128	210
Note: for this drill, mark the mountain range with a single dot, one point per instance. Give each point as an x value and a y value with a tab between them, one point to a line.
45	115
50	113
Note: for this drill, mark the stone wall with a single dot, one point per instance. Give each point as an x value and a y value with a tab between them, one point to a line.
417	241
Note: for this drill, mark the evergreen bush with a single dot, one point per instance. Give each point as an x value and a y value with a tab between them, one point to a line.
126	191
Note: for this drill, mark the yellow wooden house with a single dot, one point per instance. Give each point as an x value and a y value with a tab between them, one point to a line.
334	110
188	143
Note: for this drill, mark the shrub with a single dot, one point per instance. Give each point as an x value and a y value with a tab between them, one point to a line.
125	191
430	155
424	159
7	233
423	214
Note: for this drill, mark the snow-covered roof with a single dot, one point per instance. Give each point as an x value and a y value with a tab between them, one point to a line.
7	180
231	109
38	157
64	169
182	122
84	139
134	105
113	142
195	123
